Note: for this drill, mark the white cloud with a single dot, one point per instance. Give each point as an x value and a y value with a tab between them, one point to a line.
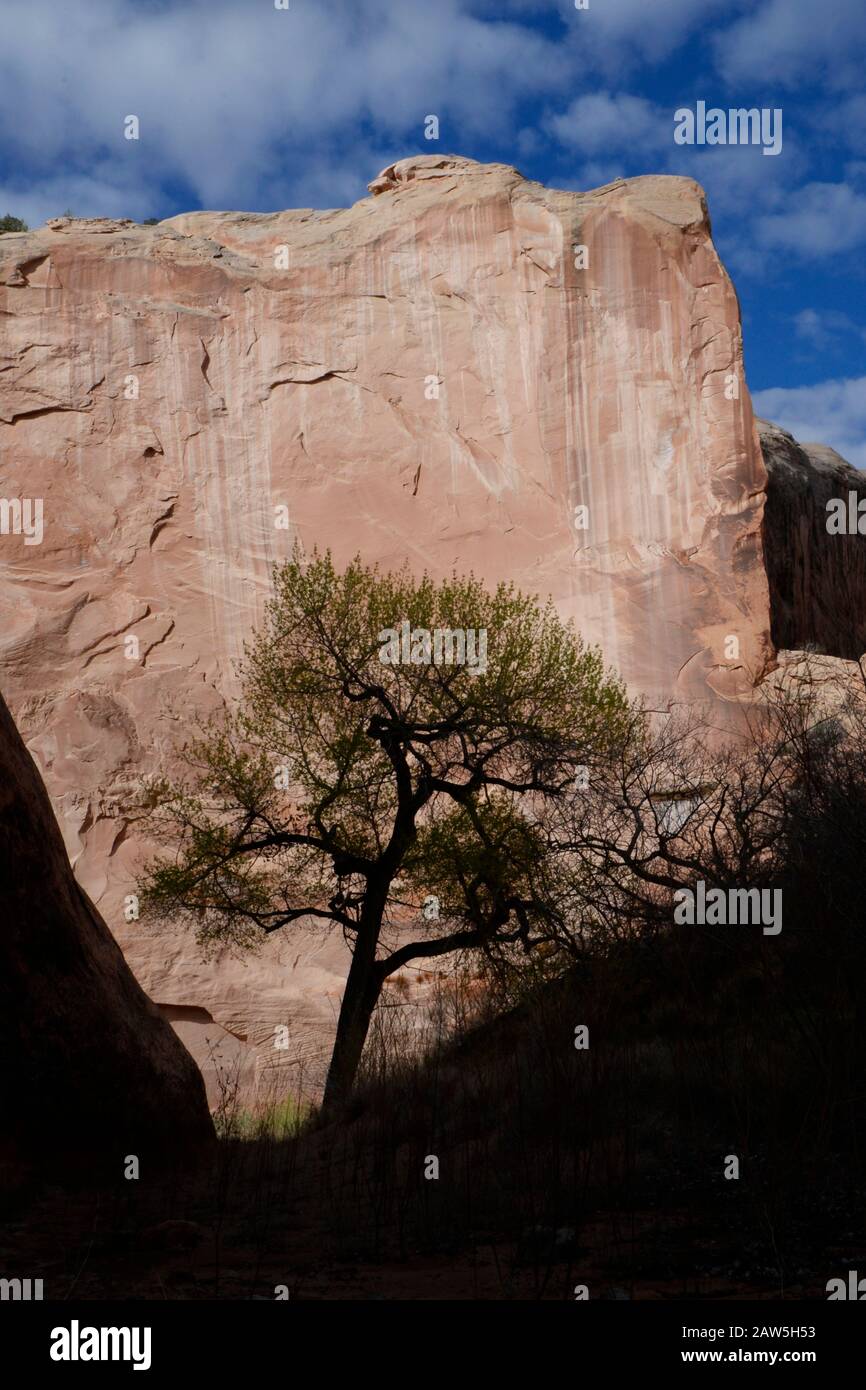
621	134
604	123
594	173
845	121
785	41
739	179
630	129
824	328
740	189
85	195
618	32
228	92
833	412
615	33
822	219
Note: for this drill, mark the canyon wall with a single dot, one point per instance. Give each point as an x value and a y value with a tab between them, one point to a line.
89	1065
817	577
466	370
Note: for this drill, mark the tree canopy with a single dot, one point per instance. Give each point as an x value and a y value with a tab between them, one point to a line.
385	773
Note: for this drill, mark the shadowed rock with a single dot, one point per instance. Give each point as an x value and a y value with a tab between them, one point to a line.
87	1063
817	579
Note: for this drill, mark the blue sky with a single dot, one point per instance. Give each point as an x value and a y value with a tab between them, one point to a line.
242	105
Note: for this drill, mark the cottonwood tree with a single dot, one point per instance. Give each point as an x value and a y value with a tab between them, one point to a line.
399	802
680	801
676	803
779	803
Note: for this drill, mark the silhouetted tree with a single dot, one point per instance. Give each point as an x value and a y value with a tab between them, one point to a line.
368	783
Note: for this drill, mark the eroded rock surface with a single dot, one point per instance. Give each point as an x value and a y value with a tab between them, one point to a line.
448	372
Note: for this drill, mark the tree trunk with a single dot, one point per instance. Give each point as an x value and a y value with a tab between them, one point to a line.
363	986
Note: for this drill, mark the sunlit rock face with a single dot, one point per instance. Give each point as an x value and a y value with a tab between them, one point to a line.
465	370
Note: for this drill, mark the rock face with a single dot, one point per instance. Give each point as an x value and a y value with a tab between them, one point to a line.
88	1062
817	577
465	369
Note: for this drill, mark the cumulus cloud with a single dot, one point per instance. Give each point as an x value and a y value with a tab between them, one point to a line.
738	178
824	219
613	34
603	123
84	195
245	106
844	121
784	42
833	412
226	94
824	329
617	32
622	133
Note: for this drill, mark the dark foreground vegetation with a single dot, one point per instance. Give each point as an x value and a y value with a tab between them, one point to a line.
559	1166
640	1074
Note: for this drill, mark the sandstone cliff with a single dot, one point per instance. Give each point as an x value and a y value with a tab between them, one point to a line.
88	1063
817	578
465	369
